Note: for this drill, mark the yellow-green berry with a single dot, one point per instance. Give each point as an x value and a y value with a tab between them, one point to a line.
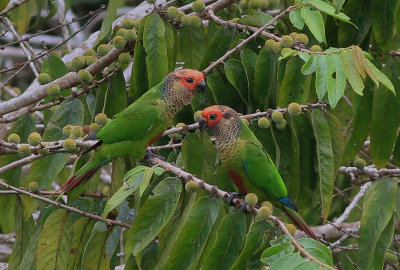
89	52
197	116
195	21
90	59
119	42
269	44
130	35
103	49
251	199
14	138
263	122
294	35
180	125
43	78
267	204
264	4
95	127
172	12
191	186
33	186
76	131
294	108
179	15
77	63
302	38
254	4
85	76
277	116
121	32
124	58
359	163
286	41
128	23
185	20
24	150
69	145
281	125
285	50
247	122
137	23
277	47
198	6
53	90
101	119
67	130
316	48
43	150
34	138
291	228
264	212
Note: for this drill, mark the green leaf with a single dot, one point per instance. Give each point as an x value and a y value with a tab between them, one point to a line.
325	159
296	19
287	261
295	86
248	59
287	54
310	265
258	19
132	181
153	215
314	22
351	72
378	206
383	29
362	112
254	238
82	229
194	234
228	243
336	85
358	11
236	75
54	66
55	241
171	38
321	76
21	17
116	95
156	49
337	137
106	25
139	83
273	253
3	4
24	230
330	10
192	46
264	78
317	249
309	67
385	116
382	78
95	255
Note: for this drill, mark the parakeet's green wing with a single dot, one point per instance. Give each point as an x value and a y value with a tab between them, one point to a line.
262	171
130	124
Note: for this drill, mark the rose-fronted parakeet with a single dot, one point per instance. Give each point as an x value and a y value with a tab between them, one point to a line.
142	123
246	161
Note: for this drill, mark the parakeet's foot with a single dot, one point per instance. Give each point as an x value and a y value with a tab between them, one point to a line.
233	196
243	207
150	155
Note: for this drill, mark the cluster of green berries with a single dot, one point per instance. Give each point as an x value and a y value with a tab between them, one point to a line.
254	5
264	211
286	42
277	117
53	89
80	62
34	139
186	20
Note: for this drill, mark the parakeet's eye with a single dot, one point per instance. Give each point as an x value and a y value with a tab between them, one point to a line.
213	116
189	80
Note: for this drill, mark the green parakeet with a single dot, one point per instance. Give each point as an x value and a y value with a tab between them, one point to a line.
246	161
142	123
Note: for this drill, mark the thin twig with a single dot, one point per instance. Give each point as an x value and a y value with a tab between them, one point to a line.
13	6
52	193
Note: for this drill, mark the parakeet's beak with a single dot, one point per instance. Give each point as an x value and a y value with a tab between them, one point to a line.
202	122
200	87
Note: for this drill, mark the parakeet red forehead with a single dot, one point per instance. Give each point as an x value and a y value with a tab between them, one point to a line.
210	112
190	77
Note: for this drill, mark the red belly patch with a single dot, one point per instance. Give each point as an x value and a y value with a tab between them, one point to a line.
238	181
155	138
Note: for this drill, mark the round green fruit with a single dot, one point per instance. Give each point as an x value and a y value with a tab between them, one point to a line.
69	145
90	59
24	150
180	125
302	38
43	78
34	138
14	138
316	48
285	50
179	15
251	199
172	12
277	47
43	150
197	115
294	35
198	6
128	23
195	21
121	32
281	125
85	76
294	108
267	204
277	116
103	49
191	186
77	63
95	127
185	20
33	186
89	52
359	163
53	90
119	42
67	130
124	58
291	228
264	212
101	119
76	131
130	35
286	41
269	44
263	122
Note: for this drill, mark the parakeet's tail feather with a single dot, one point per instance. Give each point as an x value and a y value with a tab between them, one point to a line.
299	221
84	174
